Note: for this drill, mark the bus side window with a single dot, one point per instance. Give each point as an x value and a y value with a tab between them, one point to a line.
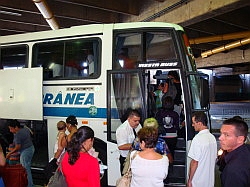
69	59
14	57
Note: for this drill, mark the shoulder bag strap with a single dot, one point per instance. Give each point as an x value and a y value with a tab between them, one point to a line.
132	158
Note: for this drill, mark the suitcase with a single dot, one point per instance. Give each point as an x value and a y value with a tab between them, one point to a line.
14	176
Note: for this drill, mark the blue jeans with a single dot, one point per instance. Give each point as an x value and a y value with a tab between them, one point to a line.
25	159
1	182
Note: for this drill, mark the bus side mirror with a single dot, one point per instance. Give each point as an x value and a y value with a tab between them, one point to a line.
204	93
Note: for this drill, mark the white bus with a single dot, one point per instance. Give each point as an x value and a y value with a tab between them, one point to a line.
47	76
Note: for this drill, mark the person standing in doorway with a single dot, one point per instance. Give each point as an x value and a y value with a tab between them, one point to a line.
23	143
173	75
169	122
203	154
236	171
126	133
173	88
158	94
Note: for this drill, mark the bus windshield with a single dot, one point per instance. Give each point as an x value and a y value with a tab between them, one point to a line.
149	47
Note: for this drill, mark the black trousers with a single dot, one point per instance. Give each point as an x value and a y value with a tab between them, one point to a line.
171	143
122	160
50	169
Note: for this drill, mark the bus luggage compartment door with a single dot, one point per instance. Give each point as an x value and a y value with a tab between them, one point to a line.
21	94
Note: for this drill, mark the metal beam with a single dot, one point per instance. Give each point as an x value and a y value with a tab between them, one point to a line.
226	47
128	7
235	56
220	37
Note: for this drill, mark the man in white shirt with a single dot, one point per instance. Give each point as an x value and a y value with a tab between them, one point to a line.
126	133
203	154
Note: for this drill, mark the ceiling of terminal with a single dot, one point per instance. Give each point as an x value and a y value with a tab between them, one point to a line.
23	16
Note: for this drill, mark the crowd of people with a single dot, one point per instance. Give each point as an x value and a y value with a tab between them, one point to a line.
152	146
72	152
150	166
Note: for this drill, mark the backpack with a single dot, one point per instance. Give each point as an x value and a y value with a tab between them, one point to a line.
172	91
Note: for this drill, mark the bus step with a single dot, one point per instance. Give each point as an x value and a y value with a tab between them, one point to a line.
38	176
180	155
179	162
175	185
178	171
181	143
179	180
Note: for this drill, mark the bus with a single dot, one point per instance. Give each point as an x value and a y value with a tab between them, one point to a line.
96	72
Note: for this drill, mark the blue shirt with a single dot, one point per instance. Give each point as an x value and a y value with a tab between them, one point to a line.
23	138
161	146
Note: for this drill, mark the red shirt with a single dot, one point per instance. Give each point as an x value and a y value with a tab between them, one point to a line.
85	171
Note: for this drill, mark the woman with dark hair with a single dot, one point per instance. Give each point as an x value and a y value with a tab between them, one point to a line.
148	167
78	166
71	124
174	77
23	143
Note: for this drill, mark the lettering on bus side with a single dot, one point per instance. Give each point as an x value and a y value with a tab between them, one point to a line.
69	99
153	65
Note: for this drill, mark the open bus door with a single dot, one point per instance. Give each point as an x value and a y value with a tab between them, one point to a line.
21	94
131	89
125	90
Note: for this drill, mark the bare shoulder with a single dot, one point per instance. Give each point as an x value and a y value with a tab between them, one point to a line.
150	155
62	134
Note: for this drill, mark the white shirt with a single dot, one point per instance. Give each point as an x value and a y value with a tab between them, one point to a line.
148	173
124	135
204	150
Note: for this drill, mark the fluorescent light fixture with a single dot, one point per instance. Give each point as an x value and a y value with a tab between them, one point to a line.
53	24
47	14
44	9
10	13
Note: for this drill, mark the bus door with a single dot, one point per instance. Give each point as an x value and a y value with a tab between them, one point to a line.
125	90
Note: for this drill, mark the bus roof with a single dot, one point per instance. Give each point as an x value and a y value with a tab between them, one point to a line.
146	24
82	30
